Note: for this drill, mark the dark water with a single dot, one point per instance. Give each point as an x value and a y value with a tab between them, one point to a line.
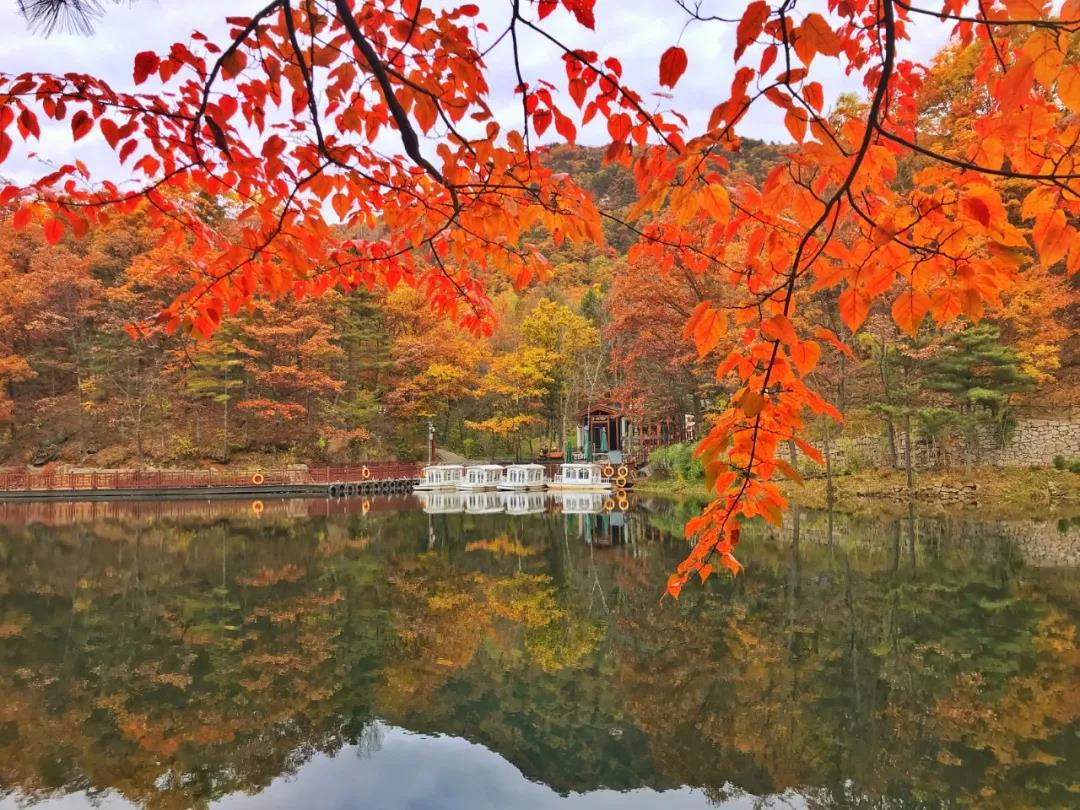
182	655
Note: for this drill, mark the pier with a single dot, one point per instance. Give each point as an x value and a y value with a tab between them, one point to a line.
334	481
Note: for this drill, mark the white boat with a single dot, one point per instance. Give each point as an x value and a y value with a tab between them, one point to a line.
581	503
441	476
522	477
524	502
481	476
441	502
580	477
482	502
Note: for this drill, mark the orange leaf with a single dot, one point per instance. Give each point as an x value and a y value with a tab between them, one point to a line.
731	564
752	403
795	121
146	62
672	66
81	123
976	209
854	306
54	229
716	202
674	586
233	63
750	26
805	355
814	95
1015	85
815	36
619	126
709	330
21	218
565	127
830	336
810	451
909	309
1069	87
541	120
1051	235
788	470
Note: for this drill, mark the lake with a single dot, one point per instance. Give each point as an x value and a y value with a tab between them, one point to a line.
370	654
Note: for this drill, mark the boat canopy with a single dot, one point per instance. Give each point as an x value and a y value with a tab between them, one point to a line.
443	473
524	474
582	473
483	474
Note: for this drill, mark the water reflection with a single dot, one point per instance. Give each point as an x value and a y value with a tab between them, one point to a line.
189	656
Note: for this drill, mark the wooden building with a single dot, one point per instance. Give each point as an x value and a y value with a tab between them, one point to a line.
607	430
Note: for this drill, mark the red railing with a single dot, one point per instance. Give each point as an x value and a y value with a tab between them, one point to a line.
24	481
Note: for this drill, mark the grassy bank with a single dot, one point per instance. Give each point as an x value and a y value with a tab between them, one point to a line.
991	492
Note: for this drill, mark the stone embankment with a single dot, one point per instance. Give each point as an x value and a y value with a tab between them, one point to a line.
1032	443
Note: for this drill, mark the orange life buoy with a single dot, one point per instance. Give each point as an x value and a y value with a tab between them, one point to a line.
365	507
257	507
608	471
624	504
365	473
257	479
621	481
623	471
609	505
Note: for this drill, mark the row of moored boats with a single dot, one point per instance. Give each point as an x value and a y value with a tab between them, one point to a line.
574	477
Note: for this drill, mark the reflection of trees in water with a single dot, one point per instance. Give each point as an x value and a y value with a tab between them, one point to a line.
899	663
177	662
369	741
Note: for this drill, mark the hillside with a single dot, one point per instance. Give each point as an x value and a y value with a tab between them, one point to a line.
348	377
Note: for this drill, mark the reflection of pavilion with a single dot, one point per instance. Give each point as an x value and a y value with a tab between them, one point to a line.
524	502
579	503
587	515
441	502
486	502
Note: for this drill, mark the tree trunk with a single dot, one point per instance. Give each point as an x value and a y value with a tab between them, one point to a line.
225	435
907	452
828	465
890	433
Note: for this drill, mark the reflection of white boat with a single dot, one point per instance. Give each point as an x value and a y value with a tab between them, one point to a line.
522	476
483	502
524	502
441	502
441	476
583	477
481	476
581	503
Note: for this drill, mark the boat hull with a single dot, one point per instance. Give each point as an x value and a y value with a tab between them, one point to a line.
558	486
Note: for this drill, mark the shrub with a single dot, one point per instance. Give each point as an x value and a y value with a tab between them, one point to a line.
1060	463
677	461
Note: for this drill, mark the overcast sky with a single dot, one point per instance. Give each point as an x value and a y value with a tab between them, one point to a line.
635	31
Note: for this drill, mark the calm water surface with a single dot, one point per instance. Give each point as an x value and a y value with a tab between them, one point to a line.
319	655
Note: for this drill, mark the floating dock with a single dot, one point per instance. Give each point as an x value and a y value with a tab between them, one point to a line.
342	481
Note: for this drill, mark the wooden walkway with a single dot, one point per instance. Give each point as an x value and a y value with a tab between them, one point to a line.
330	481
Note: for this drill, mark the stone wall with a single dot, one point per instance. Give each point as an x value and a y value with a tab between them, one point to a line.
1033	443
